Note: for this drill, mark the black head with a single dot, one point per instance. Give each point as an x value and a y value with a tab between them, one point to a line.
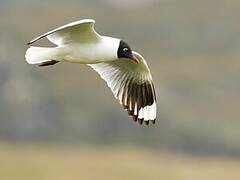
124	51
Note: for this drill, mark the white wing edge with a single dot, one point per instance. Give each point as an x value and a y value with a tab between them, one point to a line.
82	21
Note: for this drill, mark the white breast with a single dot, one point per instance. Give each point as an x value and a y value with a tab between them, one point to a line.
104	50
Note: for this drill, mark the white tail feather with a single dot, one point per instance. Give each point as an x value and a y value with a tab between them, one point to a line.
38	55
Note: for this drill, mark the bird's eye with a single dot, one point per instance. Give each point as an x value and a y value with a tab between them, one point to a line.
126	49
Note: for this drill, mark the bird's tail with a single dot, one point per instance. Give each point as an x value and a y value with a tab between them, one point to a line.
42	55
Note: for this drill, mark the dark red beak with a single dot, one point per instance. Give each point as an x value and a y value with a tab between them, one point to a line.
134	59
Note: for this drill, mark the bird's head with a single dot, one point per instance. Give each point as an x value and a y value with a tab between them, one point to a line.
124	51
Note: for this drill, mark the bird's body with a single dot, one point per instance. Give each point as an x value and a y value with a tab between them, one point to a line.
125	71
81	53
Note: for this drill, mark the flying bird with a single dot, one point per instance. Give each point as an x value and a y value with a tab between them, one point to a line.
125	71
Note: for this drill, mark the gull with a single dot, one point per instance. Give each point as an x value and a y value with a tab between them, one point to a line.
125	71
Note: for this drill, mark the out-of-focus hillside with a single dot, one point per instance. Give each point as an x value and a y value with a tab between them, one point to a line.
192	48
57	162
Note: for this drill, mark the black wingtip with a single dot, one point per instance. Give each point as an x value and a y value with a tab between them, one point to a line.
153	121
28	43
135	118
130	112
146	122
48	63
140	121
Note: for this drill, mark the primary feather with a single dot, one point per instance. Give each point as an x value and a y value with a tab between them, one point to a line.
131	83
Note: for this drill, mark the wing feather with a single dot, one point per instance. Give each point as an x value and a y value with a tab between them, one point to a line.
78	31
131	83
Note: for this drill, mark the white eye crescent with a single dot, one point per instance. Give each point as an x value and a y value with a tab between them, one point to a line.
125	49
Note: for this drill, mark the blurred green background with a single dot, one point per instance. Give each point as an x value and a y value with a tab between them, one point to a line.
192	48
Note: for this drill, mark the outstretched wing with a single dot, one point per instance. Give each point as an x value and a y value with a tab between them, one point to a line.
132	84
78	31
